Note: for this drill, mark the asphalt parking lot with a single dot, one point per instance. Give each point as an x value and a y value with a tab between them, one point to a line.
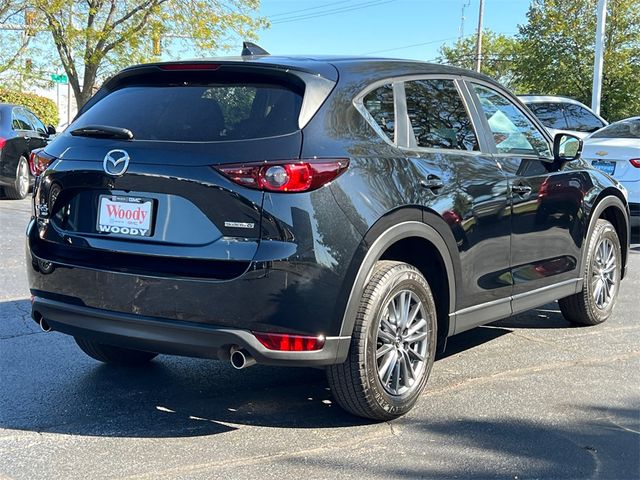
527	397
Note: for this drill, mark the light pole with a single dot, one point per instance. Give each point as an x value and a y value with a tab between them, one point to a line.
596	92
478	63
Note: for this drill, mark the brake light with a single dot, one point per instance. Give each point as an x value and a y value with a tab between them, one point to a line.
190	66
39	161
3	142
290	343
292	176
635	162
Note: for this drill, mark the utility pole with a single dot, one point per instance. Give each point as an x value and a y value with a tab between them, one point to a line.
598	64
478	62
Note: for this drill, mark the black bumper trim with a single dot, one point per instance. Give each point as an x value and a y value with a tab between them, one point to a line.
175	337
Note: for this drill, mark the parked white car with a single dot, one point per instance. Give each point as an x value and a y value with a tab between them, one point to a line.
615	149
562	114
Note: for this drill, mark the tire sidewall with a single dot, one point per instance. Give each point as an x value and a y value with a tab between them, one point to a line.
402	277
20	194
605	231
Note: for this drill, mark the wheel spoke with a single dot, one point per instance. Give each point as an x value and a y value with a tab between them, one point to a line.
386	337
418	326
408	372
413	314
396	374
384	350
416	337
386	369
416	355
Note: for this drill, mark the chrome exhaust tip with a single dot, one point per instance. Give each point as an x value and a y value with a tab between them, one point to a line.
241	359
44	325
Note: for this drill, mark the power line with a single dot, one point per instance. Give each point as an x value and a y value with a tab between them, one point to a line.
413	45
358	6
306	9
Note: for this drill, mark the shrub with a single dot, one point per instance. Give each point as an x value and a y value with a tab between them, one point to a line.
44	108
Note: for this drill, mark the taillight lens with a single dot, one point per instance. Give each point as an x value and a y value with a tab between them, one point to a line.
3	142
635	162
291	176
39	161
289	342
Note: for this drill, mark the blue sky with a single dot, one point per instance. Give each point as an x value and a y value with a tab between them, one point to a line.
412	29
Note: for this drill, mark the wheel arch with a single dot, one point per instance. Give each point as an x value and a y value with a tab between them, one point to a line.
404	236
611	206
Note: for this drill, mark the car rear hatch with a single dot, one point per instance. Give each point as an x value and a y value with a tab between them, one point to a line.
155	204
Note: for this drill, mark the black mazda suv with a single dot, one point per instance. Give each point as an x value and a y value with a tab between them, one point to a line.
350	213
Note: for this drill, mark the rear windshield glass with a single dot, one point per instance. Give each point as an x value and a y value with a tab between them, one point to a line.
624	129
198	113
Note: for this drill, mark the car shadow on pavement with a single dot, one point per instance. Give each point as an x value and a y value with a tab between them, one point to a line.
49	385
600	443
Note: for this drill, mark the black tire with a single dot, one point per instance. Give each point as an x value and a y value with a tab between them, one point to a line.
356	383
114	355
584	308
18	191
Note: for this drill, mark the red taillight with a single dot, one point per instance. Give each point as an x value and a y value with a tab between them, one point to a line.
190	66
292	176
635	162
39	161
289	342
3	142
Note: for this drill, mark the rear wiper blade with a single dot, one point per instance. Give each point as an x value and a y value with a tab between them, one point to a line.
103	131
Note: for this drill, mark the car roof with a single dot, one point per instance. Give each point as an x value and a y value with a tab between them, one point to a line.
324	65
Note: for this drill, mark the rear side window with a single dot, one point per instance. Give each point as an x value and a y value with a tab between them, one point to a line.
438	116
550	114
199	113
379	104
629	128
581	120
20	121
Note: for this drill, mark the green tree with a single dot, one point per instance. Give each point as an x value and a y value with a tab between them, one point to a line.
557	53
93	38
14	41
498	54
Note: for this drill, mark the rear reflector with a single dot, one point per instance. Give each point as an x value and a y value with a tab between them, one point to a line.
635	162
290	343
190	66
286	176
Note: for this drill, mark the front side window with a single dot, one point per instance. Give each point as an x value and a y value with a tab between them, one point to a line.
581	120
438	116
37	124
550	114
512	131
379	104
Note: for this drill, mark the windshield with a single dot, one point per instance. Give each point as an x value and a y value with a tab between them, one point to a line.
624	129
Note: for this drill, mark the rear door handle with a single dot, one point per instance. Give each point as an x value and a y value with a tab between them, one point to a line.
433	183
521	189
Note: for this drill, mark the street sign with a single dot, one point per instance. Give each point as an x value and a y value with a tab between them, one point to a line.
59	78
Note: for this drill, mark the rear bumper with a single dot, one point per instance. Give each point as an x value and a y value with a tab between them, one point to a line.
634	209
175	337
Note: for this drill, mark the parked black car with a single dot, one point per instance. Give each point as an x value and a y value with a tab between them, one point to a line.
20	133
351	213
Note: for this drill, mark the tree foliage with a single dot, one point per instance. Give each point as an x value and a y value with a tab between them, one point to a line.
94	38
14	42
44	108
558	47
498	54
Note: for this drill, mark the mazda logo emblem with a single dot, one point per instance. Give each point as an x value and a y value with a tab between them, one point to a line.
116	162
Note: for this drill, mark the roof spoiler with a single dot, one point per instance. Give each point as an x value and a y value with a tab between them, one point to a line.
249	49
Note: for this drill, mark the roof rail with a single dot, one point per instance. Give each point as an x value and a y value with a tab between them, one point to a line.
250	48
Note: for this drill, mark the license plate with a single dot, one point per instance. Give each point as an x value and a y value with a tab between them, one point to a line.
121	215
607	167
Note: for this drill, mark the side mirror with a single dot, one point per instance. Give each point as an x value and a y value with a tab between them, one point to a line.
566	147
51	130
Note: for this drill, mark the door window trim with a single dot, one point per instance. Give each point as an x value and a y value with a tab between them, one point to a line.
402	123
